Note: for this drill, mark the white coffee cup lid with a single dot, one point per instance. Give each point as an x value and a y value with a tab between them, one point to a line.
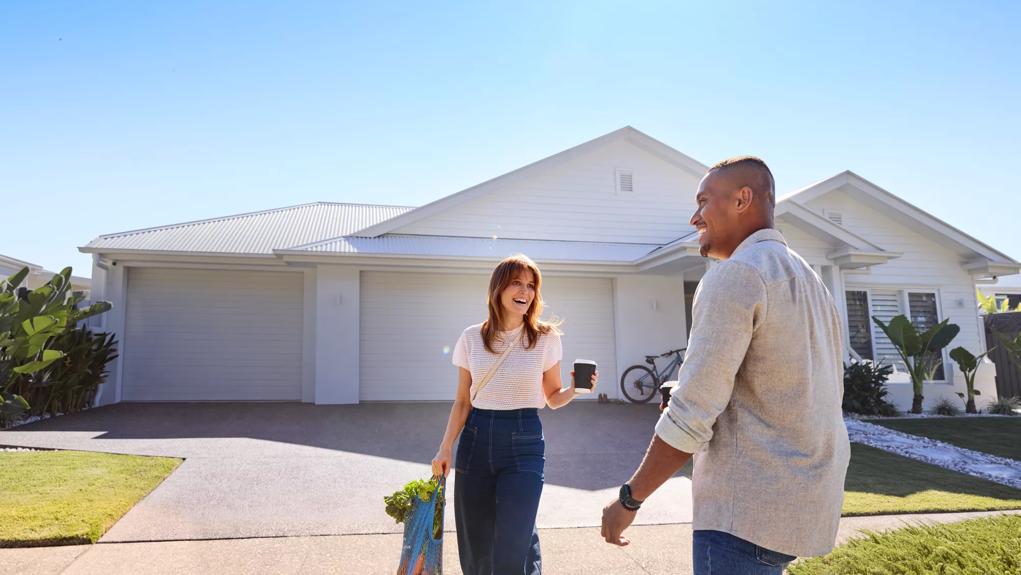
589	361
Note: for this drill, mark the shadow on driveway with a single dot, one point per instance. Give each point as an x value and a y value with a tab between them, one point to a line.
264	469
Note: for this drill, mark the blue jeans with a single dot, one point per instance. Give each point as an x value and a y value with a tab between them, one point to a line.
719	553
498	481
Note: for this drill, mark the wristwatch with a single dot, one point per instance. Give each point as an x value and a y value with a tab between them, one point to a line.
629	503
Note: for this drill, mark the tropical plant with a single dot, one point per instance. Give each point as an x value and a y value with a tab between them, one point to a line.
989	305
968	364
919	351
947	407
1005	406
31	323
865	388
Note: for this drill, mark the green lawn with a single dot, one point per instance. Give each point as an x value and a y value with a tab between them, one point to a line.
996	435
71	497
980	546
880	483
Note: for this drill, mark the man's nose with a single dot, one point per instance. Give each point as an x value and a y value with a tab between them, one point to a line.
695	218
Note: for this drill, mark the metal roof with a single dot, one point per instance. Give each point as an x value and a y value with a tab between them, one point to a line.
453	246
252	233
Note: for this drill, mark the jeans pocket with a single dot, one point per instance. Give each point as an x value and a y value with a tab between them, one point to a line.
465	449
772	558
529	448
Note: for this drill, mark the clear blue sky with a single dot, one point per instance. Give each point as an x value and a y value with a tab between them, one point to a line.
125	115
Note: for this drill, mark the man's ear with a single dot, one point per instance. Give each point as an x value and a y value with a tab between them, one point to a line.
745	196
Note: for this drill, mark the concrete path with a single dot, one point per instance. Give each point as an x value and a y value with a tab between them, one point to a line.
987	466
267	470
655	549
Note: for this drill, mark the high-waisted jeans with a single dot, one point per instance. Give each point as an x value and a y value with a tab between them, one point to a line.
498	481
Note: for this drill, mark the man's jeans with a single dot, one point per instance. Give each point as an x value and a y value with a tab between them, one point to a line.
719	553
499	477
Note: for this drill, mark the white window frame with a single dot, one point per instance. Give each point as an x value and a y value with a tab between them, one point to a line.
905	309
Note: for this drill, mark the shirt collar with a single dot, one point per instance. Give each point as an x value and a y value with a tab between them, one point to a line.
763	235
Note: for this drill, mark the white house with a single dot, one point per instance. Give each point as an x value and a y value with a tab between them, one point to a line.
1006	289
38	276
342	303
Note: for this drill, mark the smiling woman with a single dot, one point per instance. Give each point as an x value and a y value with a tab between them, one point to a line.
508	369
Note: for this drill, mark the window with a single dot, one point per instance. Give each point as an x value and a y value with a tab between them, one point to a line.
869	341
859	328
886	306
924	313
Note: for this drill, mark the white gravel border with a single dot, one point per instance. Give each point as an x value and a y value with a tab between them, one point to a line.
994	468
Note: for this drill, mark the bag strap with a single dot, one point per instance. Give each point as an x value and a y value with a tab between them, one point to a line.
499	361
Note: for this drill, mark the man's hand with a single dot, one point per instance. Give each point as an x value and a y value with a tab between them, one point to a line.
615	520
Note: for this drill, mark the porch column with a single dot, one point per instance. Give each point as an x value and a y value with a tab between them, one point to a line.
833	277
337	334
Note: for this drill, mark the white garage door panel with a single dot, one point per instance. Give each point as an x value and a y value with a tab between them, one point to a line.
203	335
410	322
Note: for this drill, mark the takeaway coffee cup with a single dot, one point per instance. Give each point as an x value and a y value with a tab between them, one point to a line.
584	369
666	390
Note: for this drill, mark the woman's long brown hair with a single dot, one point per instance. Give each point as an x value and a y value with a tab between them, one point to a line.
502	276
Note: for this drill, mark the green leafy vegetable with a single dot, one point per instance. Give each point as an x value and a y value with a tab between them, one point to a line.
398	505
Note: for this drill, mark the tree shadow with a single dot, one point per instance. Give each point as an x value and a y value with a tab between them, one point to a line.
589	446
875	471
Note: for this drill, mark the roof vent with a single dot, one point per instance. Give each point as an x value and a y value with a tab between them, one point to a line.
836	217
625	181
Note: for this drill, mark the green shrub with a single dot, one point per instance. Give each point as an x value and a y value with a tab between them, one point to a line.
44	355
980	546
865	388
947	407
1005	406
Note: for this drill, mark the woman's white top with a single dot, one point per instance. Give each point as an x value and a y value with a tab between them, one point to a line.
517	383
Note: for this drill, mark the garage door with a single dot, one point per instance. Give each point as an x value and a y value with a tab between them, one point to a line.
410	322
201	335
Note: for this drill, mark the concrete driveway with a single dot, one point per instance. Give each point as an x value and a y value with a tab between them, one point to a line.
266	469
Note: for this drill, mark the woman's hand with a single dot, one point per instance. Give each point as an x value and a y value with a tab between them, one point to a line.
441	462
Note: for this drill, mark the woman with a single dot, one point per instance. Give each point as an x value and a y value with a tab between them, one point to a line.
509	368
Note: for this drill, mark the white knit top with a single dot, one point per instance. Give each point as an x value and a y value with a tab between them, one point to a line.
517	383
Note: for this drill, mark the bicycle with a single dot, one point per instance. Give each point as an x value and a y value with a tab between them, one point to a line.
639	383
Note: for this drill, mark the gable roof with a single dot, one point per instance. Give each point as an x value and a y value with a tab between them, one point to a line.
858	185
15	262
627	133
257	233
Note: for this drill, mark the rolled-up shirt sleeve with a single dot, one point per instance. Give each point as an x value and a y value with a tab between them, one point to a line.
729	305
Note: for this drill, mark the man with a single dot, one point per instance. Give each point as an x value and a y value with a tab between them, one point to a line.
758	397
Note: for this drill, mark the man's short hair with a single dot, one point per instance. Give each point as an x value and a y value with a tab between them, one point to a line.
763	175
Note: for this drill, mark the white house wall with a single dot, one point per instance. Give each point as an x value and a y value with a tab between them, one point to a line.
577	200
810	247
650	320
924	266
337	342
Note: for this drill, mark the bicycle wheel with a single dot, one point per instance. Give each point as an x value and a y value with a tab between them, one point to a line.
638	384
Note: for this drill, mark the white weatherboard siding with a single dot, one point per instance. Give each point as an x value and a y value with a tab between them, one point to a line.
411	321
924	266
578	201
813	249
650	321
212	335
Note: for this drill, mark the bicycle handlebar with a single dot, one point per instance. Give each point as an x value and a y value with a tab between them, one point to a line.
673	351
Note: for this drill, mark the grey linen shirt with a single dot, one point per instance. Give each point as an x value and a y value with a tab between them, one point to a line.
758	401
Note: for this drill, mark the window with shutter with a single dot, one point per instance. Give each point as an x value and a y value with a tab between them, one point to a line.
924	314
859	324
886	306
